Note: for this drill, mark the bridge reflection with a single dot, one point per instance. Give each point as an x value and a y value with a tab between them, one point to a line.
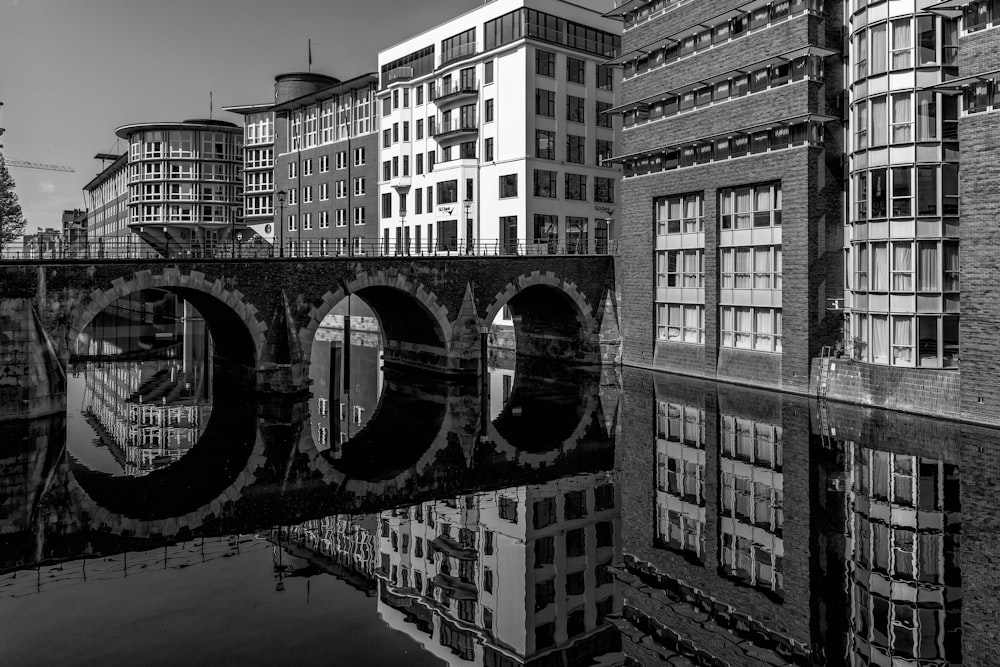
685	521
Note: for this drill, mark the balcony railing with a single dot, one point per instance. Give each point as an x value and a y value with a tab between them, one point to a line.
291	246
459	89
454	127
398	74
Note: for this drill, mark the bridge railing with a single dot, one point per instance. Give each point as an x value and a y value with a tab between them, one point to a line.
332	247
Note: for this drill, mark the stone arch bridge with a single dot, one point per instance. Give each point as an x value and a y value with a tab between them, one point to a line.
434	312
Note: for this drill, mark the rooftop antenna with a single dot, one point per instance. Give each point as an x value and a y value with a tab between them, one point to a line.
210	105
310	54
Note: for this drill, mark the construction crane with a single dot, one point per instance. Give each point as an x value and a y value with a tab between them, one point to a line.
38	165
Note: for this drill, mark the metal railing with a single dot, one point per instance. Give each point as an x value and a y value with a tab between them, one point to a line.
311	248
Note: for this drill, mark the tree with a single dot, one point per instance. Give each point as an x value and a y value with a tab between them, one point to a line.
12	223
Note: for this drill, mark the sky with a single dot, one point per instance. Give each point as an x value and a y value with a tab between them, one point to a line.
72	71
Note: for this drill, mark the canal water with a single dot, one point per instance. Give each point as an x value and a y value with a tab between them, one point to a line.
551	515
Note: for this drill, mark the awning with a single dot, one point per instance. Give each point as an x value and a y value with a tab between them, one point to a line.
956	85
785	57
790	120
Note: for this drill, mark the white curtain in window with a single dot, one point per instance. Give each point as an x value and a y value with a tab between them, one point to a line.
762	268
728	267
674	329
902	44
692	268
744	327
879	48
727	327
743	268
777	268
902	340
743	208
880	339
763	327
902	267
692	320
777	336
927	273
880	267
762	198
880	124
902	118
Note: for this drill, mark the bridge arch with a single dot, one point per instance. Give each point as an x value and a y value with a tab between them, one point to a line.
415	326
227	316
552	318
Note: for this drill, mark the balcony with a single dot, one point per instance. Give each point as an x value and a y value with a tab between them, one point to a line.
455	128
455	92
397	75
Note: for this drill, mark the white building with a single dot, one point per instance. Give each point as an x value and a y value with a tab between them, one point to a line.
517	573
493	129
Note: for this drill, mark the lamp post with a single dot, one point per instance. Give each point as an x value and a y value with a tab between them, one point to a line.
281	223
468	226
239	239
167	237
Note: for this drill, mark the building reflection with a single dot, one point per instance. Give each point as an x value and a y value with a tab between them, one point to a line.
904	583
509	577
725	571
148	412
347	379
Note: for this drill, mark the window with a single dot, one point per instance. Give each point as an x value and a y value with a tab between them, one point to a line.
576	70
605	77
508	185
575	148
342	160
386	205
341	189
545	144
575	109
902	118
489	110
359	156
748	328
902	44
545	183
293	170
508	509
341	217
604	189
576	186
751	206
746	267
359	215
307	194
576	542
359	186
307	167
680	268
545	63
489	149
547	231
545	551
459	46
447	192
603	119
545	102
324	164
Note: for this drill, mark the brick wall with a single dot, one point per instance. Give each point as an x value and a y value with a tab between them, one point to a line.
811	179
925	391
979	172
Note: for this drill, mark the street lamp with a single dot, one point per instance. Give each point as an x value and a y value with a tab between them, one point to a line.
239	239
468	226
167	237
281	223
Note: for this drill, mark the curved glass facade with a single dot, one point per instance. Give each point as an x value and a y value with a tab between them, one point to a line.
186	177
902	261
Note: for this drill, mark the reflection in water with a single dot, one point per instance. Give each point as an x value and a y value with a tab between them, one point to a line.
148	413
904	586
567	517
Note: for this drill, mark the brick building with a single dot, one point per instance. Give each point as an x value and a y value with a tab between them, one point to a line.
312	157
732	186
